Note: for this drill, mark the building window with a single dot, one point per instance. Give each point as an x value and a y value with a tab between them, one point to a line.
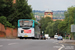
49	14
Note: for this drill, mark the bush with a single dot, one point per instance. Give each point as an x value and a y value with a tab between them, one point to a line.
4	21
66	37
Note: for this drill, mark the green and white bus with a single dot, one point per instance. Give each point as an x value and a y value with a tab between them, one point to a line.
28	28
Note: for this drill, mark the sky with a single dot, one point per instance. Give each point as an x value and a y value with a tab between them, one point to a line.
44	5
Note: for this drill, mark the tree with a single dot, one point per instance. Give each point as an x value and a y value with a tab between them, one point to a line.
65	26
22	11
6	8
62	26
13	12
44	23
4	21
52	28
49	28
69	18
55	27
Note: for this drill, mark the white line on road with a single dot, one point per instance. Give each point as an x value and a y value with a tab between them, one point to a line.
12	43
1	45
61	47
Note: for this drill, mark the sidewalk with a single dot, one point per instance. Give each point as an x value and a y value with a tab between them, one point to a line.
8	38
67	41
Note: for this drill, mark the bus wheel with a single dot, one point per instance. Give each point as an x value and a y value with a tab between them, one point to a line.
25	38
33	38
21	38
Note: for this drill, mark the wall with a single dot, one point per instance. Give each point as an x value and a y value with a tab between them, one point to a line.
8	32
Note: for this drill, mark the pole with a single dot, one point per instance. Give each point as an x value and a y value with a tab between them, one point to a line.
74	23
68	22
65	36
42	32
52	29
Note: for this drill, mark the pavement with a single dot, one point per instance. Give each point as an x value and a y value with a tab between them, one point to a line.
30	44
68	41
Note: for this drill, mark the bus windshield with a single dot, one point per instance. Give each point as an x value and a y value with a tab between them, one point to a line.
26	23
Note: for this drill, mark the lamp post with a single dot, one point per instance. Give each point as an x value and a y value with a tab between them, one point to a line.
52	29
65	35
42	32
68	23
74	23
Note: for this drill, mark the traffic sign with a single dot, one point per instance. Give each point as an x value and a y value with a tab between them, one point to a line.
72	28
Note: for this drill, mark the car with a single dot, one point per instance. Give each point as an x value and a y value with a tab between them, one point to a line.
48	37
60	38
55	36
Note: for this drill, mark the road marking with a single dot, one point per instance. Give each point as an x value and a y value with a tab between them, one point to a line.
1	45
61	47
12	43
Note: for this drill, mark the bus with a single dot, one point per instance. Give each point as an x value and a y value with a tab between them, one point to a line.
28	28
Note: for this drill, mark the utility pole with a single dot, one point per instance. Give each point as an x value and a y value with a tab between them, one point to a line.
74	23
52	29
68	23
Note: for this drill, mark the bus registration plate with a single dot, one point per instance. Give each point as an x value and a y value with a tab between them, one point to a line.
25	35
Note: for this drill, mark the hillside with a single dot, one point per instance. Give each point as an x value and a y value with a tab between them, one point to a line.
56	14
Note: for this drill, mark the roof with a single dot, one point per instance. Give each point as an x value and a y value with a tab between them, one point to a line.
48	11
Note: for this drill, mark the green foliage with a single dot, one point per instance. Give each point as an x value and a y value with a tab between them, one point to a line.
49	28
62	26
52	28
4	21
65	26
6	7
66	37
44	23
32	15
22	11
13	12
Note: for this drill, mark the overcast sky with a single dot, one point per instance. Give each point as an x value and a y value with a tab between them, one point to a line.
51	4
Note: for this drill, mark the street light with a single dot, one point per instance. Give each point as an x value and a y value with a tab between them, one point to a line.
68	23
74	22
74	25
42	32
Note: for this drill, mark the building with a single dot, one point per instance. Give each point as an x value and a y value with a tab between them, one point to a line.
14	1
50	14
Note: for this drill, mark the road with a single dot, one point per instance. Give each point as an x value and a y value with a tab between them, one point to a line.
29	44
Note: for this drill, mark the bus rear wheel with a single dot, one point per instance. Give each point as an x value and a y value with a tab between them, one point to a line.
21	37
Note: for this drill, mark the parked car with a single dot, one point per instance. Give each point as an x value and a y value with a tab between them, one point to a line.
55	36
48	37
60	38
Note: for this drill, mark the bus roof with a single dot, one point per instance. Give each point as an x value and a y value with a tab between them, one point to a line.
25	19
31	20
